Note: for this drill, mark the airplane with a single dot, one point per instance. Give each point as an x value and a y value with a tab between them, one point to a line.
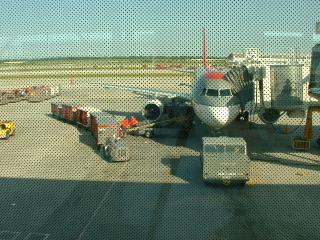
218	96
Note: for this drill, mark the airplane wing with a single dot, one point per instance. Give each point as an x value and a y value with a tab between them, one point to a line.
150	92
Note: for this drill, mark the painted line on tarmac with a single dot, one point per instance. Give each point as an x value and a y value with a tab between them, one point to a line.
96	211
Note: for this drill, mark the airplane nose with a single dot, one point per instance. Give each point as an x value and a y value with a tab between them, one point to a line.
217	117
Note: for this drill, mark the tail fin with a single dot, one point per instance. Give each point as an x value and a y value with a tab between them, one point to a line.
204	49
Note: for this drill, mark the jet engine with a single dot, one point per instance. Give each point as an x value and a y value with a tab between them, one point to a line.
152	110
269	116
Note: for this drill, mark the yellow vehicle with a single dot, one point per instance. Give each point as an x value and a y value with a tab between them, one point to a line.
7	129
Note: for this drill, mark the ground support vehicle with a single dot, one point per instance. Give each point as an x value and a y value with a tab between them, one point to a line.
7	129
103	126
106	131
115	149
42	93
39	93
8	96
3	98
225	160
31	94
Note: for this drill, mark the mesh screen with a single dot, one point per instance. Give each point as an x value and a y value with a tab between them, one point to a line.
141	119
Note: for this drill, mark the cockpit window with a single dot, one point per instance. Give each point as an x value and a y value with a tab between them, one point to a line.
212	93
225	92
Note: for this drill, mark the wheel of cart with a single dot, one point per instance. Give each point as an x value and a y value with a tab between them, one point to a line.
104	152
228	182
241	182
225	183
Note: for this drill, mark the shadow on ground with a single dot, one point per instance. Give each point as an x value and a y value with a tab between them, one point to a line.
64	209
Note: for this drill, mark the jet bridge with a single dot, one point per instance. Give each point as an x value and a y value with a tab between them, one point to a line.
282	88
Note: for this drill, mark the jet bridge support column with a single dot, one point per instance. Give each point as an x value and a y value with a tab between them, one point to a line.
308	126
303	143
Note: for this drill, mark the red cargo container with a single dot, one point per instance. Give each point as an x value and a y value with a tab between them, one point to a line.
93	122
60	112
84	115
103	126
78	118
69	111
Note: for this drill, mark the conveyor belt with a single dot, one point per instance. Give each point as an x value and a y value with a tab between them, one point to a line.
146	125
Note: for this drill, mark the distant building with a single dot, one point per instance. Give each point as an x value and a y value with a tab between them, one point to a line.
251	53
256	57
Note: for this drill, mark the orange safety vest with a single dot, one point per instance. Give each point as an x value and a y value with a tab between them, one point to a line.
133	122
125	123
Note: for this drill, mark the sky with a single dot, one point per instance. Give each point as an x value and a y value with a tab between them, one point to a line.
32	29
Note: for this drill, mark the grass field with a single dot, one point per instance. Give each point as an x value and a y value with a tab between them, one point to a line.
103	75
140	67
111	62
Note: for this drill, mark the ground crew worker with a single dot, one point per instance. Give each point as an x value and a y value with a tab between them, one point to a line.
125	123
133	121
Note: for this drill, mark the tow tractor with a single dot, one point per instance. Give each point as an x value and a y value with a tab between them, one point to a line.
7	129
116	149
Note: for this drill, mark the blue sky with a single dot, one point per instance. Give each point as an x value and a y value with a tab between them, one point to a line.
44	29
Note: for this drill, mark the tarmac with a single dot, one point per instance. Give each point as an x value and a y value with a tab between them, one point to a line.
55	184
